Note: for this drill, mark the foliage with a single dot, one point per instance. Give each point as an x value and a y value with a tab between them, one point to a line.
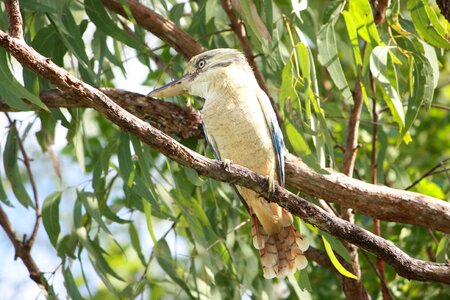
150	227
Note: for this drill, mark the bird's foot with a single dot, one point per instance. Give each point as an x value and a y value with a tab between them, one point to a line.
226	164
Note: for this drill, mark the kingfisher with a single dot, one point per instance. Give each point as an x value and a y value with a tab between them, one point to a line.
240	126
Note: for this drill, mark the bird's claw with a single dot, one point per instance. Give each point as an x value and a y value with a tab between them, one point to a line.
272	184
226	164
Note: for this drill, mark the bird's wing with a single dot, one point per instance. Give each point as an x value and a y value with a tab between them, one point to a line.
274	130
211	142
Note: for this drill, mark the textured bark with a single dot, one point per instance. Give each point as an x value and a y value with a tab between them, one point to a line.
403	264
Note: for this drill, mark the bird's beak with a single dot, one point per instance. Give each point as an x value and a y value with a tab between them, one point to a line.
174	88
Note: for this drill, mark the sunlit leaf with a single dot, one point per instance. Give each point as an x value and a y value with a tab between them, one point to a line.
335	261
427	24
379	64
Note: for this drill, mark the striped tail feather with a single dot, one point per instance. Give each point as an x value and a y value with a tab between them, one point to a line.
282	253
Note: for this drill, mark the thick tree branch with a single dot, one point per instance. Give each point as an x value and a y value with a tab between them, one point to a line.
403	264
239	30
14	18
165	29
372	200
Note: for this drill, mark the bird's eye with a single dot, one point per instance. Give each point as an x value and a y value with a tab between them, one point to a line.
201	63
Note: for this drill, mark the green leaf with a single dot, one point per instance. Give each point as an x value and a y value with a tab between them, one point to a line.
50	216
3	196
136	243
15	93
70	284
148	219
91	204
335	261
124	156
165	260
422	90
69	33
379	64
337	246
442	249
98	15
362	16
427	24
101	266
78	143
329	58
353	36
10	160
253	20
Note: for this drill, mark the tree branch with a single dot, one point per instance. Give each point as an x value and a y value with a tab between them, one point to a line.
372	200
165	29
14	18
353	289
403	264
239	30
23	252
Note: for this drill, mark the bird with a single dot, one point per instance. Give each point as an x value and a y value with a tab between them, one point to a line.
241	127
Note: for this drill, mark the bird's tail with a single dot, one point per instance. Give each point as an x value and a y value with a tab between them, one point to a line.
281	252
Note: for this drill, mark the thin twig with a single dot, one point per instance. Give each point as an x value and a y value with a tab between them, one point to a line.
353	289
239	30
373	174
380	276
26	160
440	164
14	18
23	252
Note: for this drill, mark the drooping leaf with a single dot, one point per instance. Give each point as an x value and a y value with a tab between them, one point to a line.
379	64
362	16
10	163
15	93
70	284
335	261
442	249
50	216
329	58
165	260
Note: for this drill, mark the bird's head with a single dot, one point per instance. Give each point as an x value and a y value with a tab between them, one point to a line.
204	71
